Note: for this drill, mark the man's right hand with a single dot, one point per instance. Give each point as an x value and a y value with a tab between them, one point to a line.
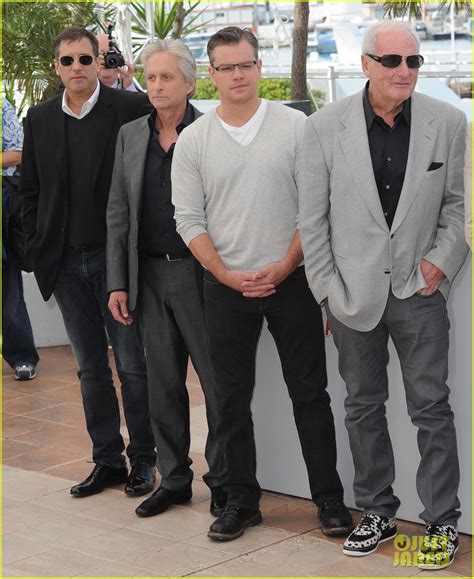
118	306
237	279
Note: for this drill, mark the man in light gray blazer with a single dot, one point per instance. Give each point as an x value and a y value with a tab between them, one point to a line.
381	216
150	269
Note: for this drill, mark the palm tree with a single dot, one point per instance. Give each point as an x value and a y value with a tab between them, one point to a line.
415	9
28	31
299	90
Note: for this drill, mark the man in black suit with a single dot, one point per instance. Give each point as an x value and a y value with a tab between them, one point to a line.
68	157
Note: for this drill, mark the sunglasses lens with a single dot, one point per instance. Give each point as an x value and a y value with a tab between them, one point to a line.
85	59
66	60
391	60
415	61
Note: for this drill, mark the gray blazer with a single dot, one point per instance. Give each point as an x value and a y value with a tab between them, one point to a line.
123	209
352	258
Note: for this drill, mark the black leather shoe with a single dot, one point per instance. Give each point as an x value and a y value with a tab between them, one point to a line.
233	523
141	480
101	477
218	501
335	518
161	499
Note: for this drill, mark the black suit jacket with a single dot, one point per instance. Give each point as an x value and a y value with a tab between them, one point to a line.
44	181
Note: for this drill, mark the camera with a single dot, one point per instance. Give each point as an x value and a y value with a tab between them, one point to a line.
113	58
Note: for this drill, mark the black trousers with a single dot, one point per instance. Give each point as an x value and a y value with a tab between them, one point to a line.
295	322
172	318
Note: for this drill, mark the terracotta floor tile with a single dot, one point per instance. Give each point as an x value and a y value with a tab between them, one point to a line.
254	538
462	565
42	458
178	523
65	392
62	500
75	471
63	413
30	485
16	547
178	559
122	545
39	385
10	395
199	465
60	562
11	448
299	521
25	515
59	436
28	404
16	426
68	531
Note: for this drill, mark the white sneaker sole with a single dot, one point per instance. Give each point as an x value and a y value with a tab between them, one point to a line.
364	553
437	567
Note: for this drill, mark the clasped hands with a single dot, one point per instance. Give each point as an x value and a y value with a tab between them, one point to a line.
260	284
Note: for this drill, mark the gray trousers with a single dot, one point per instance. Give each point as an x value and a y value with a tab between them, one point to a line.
419	329
173	328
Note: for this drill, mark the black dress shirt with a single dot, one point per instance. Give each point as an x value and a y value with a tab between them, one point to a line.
389	153
157	231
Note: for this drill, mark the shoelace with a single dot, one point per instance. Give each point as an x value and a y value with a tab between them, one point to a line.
366	523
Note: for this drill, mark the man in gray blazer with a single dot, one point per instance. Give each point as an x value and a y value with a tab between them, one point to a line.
381	215
150	269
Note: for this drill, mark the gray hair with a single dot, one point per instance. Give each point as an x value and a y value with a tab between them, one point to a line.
372	32
187	64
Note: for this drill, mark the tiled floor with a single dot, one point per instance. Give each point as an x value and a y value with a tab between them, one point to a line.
46	532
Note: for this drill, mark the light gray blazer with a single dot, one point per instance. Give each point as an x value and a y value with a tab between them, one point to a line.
352	258
123	209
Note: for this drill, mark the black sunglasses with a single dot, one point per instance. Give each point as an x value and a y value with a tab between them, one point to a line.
84	59
394	60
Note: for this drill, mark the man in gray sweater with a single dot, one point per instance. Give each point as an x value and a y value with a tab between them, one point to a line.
235	182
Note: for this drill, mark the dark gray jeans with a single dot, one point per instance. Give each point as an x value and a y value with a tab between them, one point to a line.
174	329
419	329
82	298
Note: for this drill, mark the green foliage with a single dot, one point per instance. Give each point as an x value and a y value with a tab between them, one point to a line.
273	89
28	32
415	9
165	14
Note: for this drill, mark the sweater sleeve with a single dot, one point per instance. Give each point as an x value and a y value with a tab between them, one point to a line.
188	189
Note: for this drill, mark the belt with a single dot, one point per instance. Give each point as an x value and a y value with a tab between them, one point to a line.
174	256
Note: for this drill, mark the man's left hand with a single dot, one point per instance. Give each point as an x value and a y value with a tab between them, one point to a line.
433	277
273	273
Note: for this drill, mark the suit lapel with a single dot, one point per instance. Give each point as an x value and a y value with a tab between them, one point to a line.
422	140
102	129
61	139
355	144
138	154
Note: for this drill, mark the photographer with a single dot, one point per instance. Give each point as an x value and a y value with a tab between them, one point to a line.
116	77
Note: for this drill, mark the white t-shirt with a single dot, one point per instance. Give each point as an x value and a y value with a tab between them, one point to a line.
246	133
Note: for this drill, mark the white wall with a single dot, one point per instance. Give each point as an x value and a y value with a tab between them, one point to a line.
280	463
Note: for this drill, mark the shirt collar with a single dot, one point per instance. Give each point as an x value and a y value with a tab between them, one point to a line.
86	107
188	118
370	115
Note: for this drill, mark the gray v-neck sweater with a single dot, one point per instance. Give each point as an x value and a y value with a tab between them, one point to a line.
244	197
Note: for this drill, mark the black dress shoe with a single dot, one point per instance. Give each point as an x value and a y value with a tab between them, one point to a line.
161	499
233	523
218	501
335	518
141	480
101	477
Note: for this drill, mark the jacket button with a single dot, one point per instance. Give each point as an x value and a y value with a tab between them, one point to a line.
387	270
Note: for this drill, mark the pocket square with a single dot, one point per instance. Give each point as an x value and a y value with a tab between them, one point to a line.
435	166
